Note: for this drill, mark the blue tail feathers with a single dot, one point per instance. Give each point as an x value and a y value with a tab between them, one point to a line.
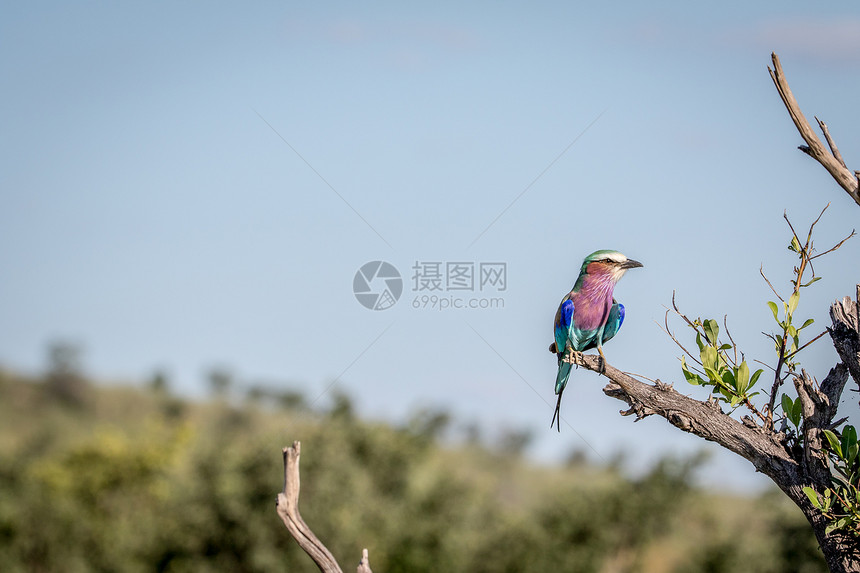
561	378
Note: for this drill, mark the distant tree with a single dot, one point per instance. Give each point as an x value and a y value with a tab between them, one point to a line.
342	408
220	381
159	382
255	394
791	432
291	400
430	424
64	379
515	442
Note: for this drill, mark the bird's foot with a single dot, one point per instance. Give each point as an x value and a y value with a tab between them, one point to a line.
602	367
573	357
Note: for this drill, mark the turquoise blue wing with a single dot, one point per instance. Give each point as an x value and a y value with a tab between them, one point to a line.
613	322
563	338
563	324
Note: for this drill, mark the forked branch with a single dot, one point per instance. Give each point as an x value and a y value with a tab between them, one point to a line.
288	510
830	159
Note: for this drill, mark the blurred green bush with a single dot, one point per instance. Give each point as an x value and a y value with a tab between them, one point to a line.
128	480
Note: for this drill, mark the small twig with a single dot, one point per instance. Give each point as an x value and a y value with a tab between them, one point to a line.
754	410
672	336
761	272
790	226
839	244
777	382
815	222
729	334
791	354
682	315
652	380
768	366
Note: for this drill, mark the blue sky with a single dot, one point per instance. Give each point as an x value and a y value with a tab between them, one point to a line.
191	185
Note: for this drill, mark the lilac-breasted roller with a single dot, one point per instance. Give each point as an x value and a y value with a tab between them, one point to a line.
588	315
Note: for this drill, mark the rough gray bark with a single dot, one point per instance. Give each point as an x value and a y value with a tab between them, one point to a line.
288	510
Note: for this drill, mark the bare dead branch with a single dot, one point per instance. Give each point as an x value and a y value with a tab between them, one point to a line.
699	418
364	564
814	148
288	510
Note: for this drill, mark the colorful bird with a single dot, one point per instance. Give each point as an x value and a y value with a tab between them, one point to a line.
588	315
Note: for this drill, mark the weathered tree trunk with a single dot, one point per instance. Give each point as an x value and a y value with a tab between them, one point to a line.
840	550
790	470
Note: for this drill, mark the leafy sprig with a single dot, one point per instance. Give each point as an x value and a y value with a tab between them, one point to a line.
840	503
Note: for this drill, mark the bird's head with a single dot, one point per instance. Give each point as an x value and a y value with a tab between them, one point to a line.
611	263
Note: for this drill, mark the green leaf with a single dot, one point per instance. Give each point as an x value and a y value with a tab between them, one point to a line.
813	496
792	302
743	377
726	347
838	524
709	357
699	342
807	323
788	407
786	404
797	411
713	376
835	445
814	279
712	330
774	309
691	377
849	443
794	246
755	376
729	381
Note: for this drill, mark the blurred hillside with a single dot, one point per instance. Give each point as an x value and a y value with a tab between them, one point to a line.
137	479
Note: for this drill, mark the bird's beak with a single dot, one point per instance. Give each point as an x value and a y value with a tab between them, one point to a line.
631	264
